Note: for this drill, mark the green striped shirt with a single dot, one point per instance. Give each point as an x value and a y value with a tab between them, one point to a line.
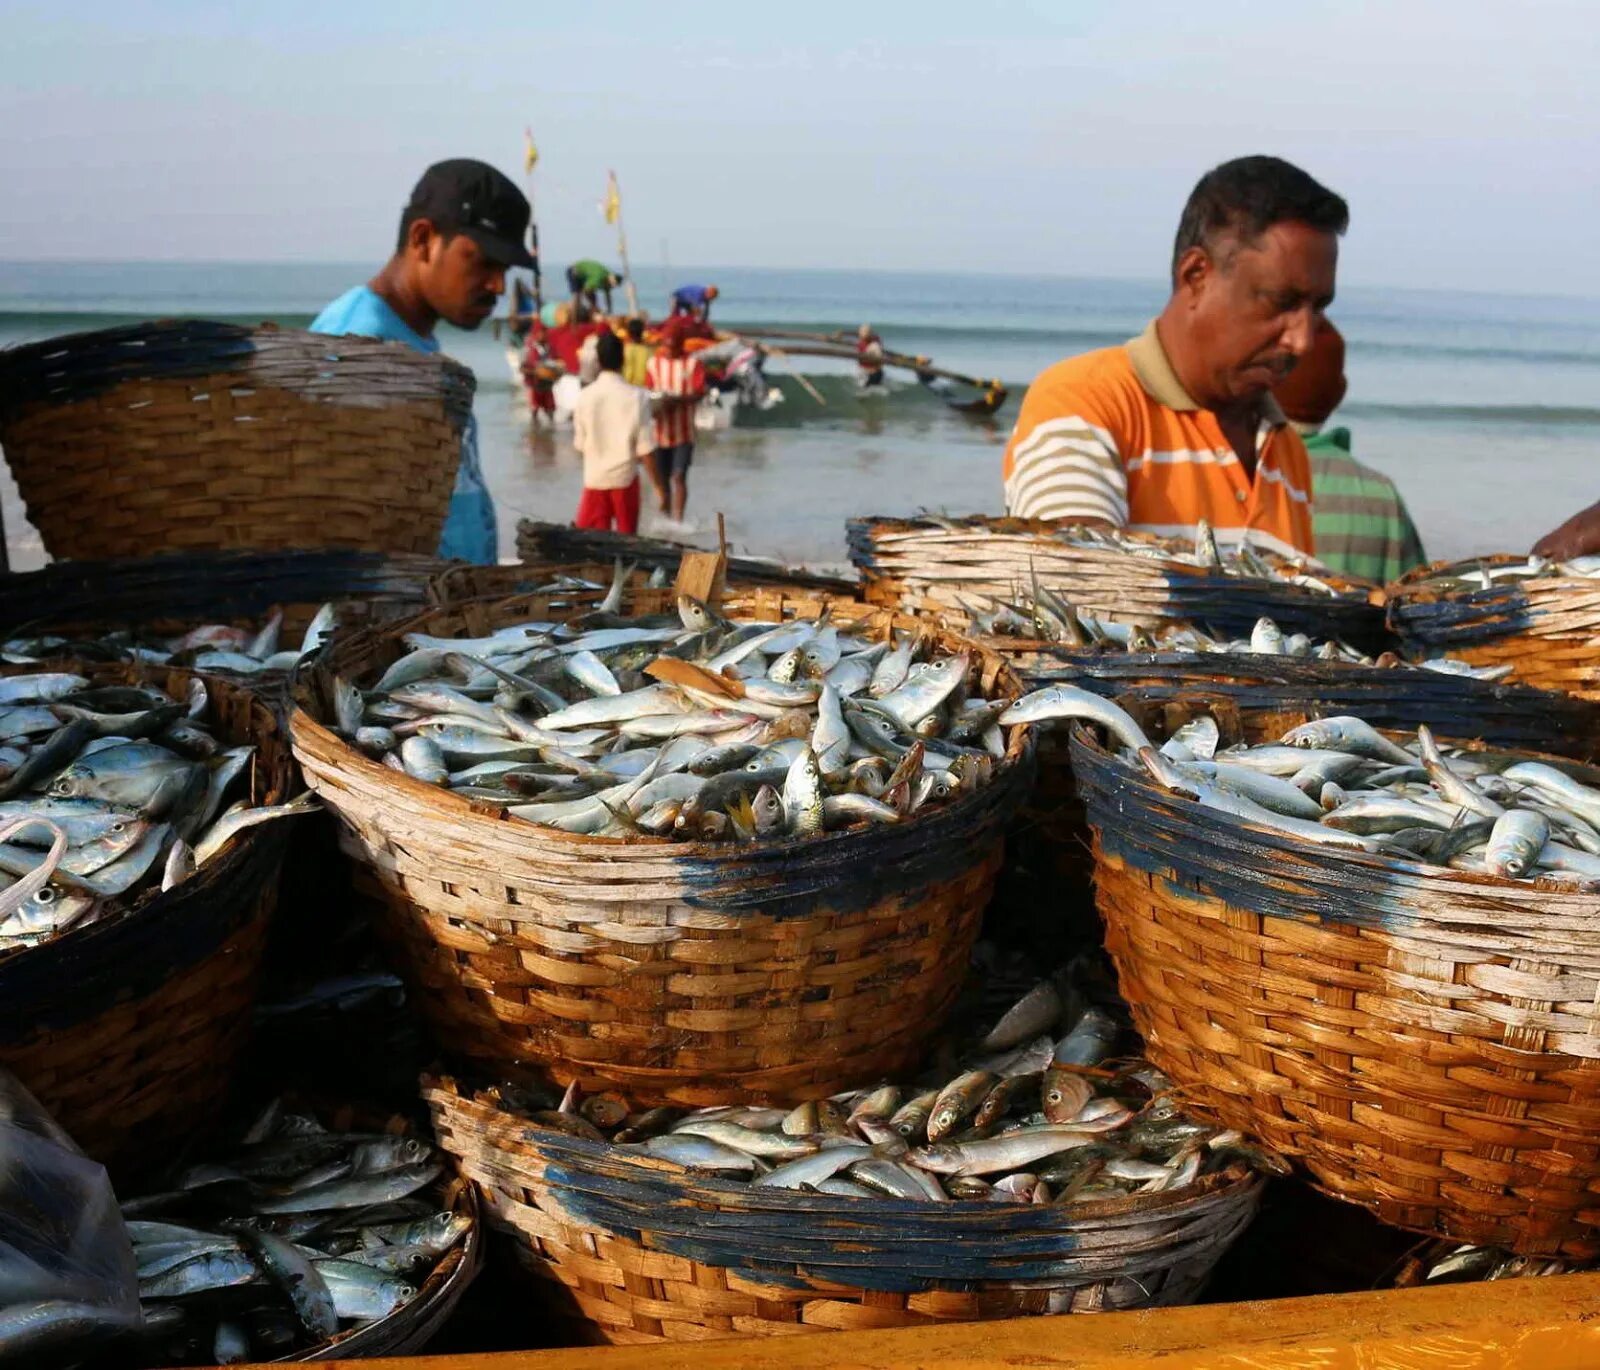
1358	519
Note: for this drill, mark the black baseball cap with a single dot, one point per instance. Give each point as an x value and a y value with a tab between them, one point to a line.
464	196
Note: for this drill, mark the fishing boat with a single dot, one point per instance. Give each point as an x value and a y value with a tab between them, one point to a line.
965	394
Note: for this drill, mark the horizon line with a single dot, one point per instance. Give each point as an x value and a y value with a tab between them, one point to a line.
791	270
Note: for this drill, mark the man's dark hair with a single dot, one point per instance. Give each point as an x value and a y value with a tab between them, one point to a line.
608	351
1247	196
635	330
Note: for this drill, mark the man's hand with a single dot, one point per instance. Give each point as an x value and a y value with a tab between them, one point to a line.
1579	536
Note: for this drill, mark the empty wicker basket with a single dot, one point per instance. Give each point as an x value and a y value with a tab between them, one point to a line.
181	435
679	972
1422	1042
1546	627
127	1030
633	1250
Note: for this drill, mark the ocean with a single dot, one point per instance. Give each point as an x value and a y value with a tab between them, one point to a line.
1484	408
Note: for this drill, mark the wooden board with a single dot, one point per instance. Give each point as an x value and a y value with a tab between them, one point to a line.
1533	1324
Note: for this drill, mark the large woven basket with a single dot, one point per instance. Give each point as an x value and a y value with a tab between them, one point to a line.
636	1251
1547	628
693	973
127	1030
1260	698
163	594
186	435
1420	1041
930	566
554	544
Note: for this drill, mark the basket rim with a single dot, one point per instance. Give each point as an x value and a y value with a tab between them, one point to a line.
1235	1182
1086	744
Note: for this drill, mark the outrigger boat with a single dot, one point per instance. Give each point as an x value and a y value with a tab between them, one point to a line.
840	346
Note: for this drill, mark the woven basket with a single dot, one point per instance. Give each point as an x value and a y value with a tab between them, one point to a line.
692	973
637	1251
187	435
928	567
126	1030
1420	1041
1546	628
554	544
169	594
412	1326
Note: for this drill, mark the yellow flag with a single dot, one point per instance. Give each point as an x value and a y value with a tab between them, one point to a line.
613	198
530	153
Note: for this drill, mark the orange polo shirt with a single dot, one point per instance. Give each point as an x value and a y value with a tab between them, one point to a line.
1113	435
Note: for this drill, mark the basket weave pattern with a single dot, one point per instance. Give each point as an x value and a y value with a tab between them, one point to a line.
928	568
693	973
127	1030
1547	628
294	440
641	1252
1422	1042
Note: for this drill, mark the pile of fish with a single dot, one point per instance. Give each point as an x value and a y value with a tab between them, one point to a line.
299	1235
1035	1116
1476	574
1045	617
107	792
685	725
1445	1262
1340	782
210	647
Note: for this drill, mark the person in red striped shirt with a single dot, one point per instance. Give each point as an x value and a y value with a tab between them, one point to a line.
676	383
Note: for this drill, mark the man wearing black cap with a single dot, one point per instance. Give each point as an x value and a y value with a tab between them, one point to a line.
465	225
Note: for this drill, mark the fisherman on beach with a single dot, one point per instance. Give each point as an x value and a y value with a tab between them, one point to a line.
677	383
612	431
1361	523
588	280
463	228
869	358
1179	424
693	302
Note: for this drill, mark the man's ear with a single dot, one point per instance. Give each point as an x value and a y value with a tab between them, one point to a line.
1195	268
421	238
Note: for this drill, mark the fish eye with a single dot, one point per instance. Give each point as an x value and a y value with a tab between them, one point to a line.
46	895
119	826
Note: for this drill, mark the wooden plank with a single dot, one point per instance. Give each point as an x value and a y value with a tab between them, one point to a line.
1532	1324
701	575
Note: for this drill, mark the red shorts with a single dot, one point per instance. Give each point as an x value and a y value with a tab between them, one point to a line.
598	508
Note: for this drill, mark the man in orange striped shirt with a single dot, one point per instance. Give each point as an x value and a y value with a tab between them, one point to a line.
1179	424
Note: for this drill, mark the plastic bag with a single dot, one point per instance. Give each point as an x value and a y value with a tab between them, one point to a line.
67	1273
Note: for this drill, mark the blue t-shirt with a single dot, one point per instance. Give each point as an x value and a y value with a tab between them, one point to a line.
469	531
364	312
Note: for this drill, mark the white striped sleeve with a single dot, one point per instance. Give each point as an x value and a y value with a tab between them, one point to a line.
1068	468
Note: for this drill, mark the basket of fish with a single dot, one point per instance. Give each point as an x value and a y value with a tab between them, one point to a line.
139	874
303	1243
934	565
1377	955
1539	618
703	859
1020	1179
544	545
247	614
183	435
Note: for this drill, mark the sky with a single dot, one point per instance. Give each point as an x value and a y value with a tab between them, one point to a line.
1041	138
